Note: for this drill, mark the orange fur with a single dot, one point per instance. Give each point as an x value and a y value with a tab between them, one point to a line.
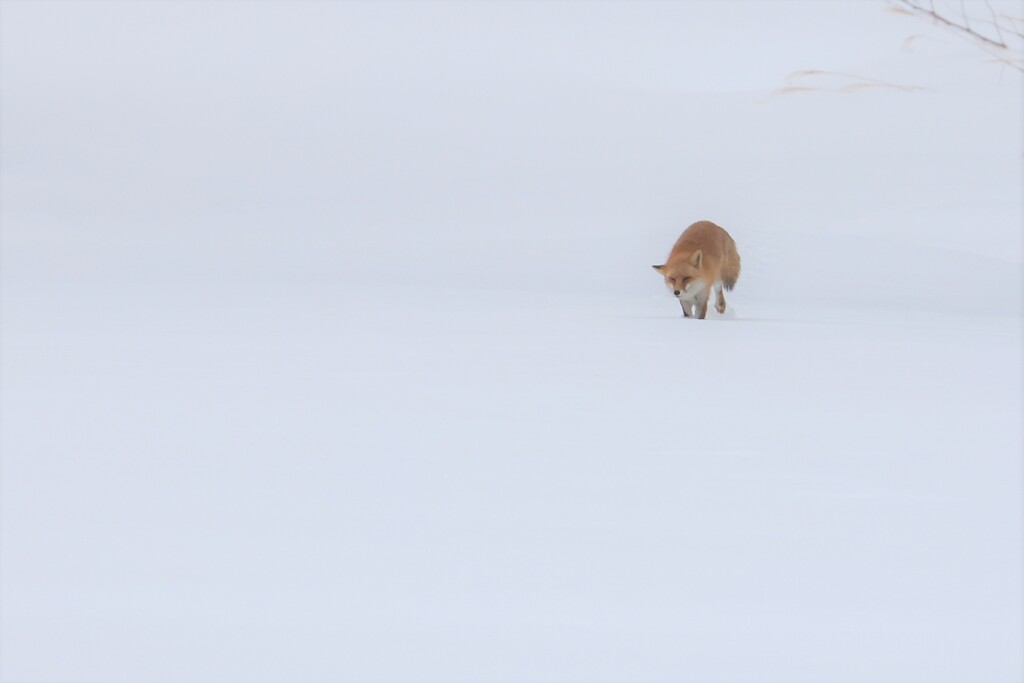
703	258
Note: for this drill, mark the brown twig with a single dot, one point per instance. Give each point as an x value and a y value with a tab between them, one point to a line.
963	27
935	16
995	22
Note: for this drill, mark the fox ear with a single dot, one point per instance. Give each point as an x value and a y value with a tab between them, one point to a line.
660	269
695	259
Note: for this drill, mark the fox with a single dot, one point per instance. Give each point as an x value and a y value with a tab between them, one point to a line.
703	258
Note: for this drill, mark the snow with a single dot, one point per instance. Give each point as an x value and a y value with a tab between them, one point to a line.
342	360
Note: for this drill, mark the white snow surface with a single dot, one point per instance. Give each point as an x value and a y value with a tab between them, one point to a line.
330	348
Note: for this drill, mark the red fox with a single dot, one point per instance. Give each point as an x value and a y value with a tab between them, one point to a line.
703	257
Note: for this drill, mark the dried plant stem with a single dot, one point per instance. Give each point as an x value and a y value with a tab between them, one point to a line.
998	45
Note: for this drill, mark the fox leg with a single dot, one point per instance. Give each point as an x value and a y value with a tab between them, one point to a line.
701	310
686	308
700	307
719	299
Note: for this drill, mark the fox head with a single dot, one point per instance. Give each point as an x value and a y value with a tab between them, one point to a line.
682	275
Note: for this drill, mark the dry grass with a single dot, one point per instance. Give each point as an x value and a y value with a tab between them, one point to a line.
999	35
816	81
